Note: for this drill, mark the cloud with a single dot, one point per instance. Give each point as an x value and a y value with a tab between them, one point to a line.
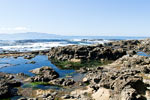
20	28
11	30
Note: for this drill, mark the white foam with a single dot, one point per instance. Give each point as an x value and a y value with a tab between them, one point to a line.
22	47
33	46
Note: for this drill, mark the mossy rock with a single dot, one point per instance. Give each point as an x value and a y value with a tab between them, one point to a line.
78	65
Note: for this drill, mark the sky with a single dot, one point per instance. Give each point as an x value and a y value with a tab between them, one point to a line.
76	17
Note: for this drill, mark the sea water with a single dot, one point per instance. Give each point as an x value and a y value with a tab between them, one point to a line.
21	65
44	44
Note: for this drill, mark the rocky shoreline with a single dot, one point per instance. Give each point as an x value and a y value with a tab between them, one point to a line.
126	78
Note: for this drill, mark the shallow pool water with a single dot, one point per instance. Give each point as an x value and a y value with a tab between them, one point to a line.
143	54
40	86
21	65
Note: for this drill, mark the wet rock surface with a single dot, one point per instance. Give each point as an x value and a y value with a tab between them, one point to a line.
144	45
63	82
109	51
116	81
85	53
7	84
120	81
44	74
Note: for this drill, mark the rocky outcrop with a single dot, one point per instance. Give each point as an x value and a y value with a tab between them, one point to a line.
85	53
135	45
101	94
140	63
63	82
125	44
44	74
77	94
7	84
119	80
29	56
127	78
144	46
110	50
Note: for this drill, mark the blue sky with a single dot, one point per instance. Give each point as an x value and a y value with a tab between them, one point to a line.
76	17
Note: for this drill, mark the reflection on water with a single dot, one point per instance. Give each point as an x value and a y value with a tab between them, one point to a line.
40	86
21	65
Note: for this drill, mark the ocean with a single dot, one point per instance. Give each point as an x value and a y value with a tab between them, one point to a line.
44	44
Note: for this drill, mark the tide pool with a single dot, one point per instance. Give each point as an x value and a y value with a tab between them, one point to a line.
21	65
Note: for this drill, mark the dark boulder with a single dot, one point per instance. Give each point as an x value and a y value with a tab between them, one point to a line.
44	74
7	84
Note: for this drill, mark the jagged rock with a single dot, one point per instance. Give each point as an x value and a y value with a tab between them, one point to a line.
124	82
102	94
29	56
145	69
22	98
131	52
80	94
85	80
144	46
31	62
85	53
7	84
44	74
128	93
63	82
66	96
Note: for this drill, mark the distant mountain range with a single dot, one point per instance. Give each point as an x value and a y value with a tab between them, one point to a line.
28	35
36	35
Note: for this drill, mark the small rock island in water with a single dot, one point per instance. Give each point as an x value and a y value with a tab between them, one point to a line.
117	70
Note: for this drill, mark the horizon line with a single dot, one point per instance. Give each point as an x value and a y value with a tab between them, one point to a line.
73	35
